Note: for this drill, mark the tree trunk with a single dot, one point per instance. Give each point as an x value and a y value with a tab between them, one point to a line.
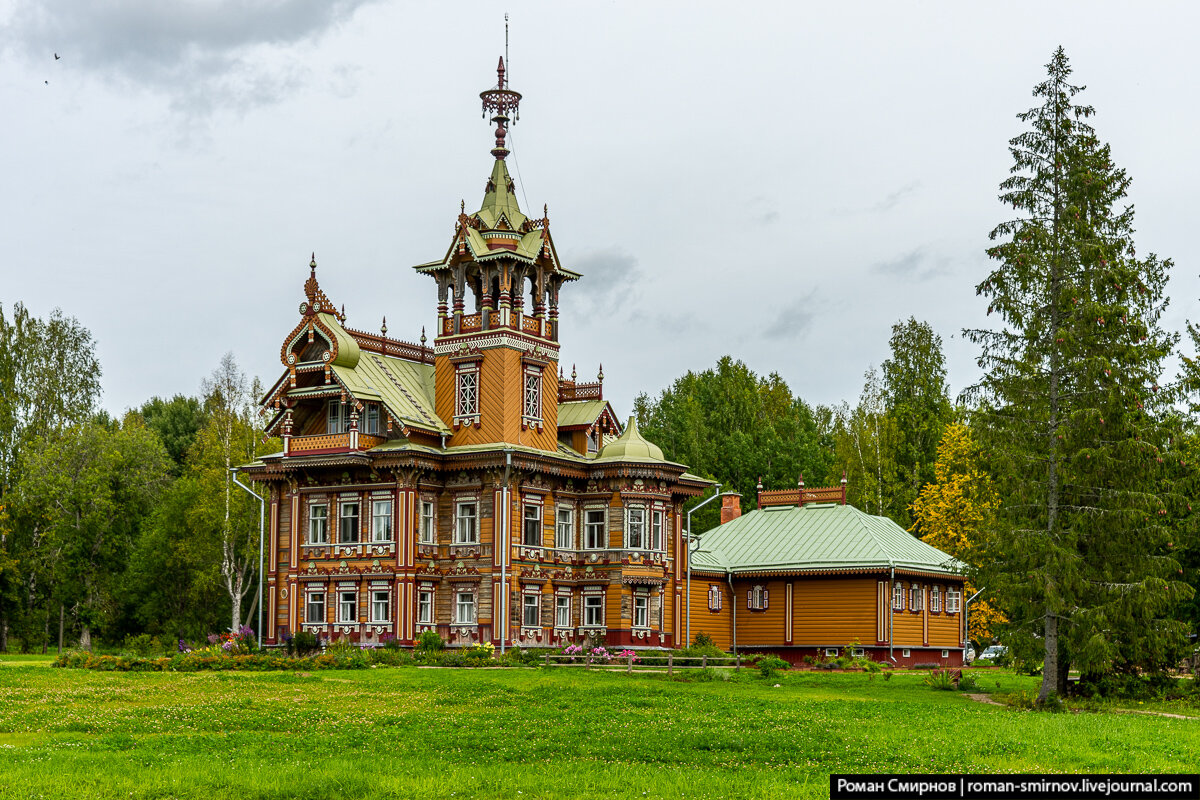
85	638
62	613
1050	666
4	634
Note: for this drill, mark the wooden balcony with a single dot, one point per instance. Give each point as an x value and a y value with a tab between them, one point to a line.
331	443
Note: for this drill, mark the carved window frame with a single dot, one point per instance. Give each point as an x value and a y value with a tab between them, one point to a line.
564	530
311	539
459	519
427	523
355	504
588	527
715	597
375	595
639	526
342	594
467	392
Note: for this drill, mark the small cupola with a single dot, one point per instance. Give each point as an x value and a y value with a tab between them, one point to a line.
631	445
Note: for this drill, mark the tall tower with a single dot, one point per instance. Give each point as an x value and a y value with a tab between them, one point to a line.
496	345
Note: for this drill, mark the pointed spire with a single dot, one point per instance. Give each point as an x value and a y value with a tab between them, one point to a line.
383	328
600	376
502	102
574	376
423	339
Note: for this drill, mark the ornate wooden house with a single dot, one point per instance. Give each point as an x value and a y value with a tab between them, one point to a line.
805	574
466	487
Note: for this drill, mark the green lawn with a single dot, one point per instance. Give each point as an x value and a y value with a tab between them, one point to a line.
528	733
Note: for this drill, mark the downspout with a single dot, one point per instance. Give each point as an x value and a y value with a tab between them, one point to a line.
262	510
503	531
967	620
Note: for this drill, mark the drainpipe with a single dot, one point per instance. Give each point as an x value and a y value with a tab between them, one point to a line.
503	531
967	619
262	507
733	602
687	594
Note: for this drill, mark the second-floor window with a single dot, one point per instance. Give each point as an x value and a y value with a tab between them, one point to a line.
656	530
381	520
465	531
337	417
348	523
594	535
564	529
427	533
318	524
531	532
533	396
635	528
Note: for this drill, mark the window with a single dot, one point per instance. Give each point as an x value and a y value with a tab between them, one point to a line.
898	597
318	525
858	652
831	652
533	396
593	611
428	534
593	442
348	524
635	519
381	606
465	531
953	601
337	419
905	653
756	599
381	520
945	654
531	612
656	530
425	606
594	535
532	529
466	397
370	419
562	611
564	529
916	598
464	608
314	612
714	597
641	612
935	599
348	606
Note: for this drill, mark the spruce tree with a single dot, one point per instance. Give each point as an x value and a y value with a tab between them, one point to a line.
1068	407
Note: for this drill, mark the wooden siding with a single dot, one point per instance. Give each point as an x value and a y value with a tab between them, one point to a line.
764	627
718	625
501	399
834	611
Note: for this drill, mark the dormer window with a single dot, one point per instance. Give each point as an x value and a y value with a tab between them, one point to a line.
466	393
369	420
593	442
337	417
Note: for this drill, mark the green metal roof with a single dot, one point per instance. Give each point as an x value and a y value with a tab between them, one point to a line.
574	413
815	537
632	446
405	387
500	202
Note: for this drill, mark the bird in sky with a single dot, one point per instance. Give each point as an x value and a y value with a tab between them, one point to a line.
57	56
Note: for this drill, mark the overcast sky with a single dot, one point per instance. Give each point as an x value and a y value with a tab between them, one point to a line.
780	182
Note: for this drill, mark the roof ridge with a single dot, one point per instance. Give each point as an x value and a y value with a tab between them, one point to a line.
871	532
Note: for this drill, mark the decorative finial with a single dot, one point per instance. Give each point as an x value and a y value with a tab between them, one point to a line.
574	376
313	264
545	210
462	206
422	335
560	373
502	102
343	315
383	328
801	480
843	477
760	483
600	377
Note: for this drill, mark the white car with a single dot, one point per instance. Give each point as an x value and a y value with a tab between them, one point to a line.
993	653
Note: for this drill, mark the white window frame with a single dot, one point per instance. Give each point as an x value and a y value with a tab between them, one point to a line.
564	528
318	525
945	654
657	527
347	600
593	612
465	612
427	533
527	529
590	527
356	517
425	606
531	395
757	599
562	603
381	599
466	526
635	528
831	652
466	391
935	599
370	419
531	602
953	601
916	597
381	522
641	611
858	652
714	597
897	596
906	653
337	417
314	599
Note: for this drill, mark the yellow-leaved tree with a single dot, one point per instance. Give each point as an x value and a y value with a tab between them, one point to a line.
953	512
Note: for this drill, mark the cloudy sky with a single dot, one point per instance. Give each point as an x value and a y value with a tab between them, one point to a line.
776	181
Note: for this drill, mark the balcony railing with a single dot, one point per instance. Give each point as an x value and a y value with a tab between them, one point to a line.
331	442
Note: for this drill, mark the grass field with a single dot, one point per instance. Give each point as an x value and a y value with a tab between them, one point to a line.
528	733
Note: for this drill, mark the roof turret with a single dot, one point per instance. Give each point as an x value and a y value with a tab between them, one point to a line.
631	446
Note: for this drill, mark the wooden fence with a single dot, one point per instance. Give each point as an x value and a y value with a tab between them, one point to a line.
632	661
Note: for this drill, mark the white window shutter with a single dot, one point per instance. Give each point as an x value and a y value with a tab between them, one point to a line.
764	605
750	599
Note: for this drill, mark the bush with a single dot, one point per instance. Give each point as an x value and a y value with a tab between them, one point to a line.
143	645
770	665
430	642
302	644
941	679
703	640
391	643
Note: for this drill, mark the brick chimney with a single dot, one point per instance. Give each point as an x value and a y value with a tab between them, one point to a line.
731	507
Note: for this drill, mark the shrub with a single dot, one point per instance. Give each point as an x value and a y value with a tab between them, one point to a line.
941	679
302	644
430	642
143	645
770	665
390	642
703	640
